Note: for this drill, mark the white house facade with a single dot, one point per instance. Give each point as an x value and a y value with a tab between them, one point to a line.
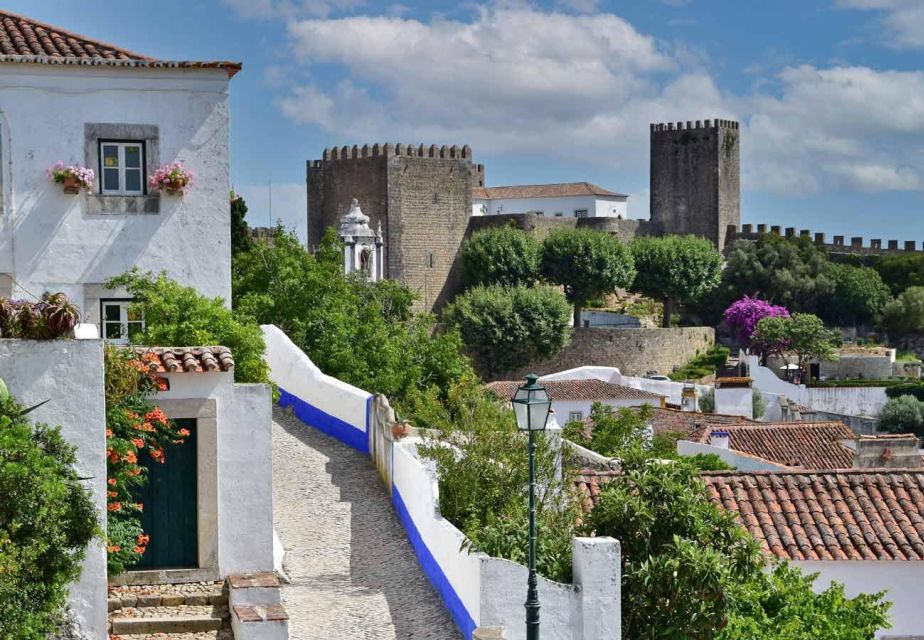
86	103
567	200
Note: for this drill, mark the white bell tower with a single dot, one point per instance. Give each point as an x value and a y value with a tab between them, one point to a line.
362	251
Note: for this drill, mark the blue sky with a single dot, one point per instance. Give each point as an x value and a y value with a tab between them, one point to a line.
830	93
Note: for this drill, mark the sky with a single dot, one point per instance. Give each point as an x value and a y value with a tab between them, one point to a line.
829	93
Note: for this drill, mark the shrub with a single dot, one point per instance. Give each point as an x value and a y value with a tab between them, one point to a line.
503	255
904	414
915	389
504	328
759	405
707	401
52	317
703	364
47	518
175	315
905	314
859	295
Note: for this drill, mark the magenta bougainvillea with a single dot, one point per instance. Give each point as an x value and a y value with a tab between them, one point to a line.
744	314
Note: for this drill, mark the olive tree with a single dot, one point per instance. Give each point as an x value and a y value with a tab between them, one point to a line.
587	264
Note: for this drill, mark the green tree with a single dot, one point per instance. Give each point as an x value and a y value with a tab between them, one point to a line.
902	271
675	269
613	432
178	315
502	255
905	314
587	264
802	334
47	519
505	328
859	295
240	232
904	414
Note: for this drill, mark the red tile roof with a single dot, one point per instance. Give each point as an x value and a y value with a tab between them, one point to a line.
664	420
852	514
589	389
560	190
26	40
809	445
830	515
190	359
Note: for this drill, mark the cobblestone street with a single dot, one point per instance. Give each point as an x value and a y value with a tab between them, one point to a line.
353	573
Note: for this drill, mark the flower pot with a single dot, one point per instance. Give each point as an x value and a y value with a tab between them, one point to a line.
71	185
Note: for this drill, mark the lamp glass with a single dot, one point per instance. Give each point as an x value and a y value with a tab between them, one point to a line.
531	405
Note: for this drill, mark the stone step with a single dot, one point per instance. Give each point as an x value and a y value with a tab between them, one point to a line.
169	595
224	634
179	619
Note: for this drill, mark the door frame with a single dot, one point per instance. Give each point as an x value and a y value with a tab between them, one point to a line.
205	412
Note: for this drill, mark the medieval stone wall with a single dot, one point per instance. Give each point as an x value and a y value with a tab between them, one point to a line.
695	182
632	351
837	246
626	230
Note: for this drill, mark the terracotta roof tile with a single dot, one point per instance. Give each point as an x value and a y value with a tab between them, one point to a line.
190	359
560	190
26	40
809	445
589	389
663	420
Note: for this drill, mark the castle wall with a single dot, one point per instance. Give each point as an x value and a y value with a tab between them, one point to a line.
695	181
626	230
857	246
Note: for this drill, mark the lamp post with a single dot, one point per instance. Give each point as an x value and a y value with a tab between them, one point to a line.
531	404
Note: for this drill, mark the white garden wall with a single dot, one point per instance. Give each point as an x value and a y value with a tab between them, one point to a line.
69	373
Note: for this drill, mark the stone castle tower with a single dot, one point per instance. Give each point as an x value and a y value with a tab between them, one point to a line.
421	196
695	181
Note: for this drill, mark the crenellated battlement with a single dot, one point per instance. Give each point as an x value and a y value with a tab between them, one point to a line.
388	150
838	244
693	125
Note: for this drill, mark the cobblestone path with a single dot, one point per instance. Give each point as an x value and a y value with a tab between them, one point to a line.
353	573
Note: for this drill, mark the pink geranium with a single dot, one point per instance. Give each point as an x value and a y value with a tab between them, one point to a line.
84	176
173	178
744	314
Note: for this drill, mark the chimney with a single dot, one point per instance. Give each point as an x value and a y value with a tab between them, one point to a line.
887	452
688	398
719	439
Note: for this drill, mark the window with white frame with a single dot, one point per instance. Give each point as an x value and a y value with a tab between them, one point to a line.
580	213
118	323
121	168
575	416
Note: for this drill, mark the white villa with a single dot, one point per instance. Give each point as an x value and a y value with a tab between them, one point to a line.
567	200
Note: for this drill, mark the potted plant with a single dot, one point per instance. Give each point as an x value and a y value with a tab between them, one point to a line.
172	178
73	177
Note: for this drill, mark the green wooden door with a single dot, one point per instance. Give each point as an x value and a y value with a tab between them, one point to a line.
170	507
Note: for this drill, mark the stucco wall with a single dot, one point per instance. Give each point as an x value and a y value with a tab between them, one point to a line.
734	401
50	240
669	389
595	206
70	374
902	580
563	407
632	351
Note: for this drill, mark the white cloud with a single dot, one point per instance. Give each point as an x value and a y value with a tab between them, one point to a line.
903	19
289	205
585	87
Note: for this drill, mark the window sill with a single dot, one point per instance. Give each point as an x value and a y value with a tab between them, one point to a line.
99	204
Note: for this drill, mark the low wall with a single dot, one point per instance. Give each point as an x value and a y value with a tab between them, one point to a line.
634	352
671	390
70	374
329	405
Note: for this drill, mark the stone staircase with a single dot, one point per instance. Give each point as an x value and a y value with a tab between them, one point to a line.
192	611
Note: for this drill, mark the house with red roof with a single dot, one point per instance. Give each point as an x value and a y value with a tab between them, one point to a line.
561	200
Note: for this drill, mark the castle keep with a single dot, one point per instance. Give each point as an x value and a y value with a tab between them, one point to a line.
695	181
422	197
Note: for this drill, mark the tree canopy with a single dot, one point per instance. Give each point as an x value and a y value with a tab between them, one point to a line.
743	315
240	232
501	255
859	295
905	314
587	264
902	271
802	334
675	269
904	414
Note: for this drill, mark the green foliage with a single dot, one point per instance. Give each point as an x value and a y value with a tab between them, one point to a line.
586	263
706	401
702	364
240	232
904	414
902	271
675	269
47	518
359	332
682	556
481	463
505	328
502	255
611	432
859	296
905	314
759	405
178	315
54	316
915	389
802	334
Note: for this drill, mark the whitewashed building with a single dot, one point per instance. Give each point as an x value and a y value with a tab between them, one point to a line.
70	99
566	200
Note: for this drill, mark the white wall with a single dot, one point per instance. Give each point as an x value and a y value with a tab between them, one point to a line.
667	388
326	403
70	374
734	401
596	206
48	240
902	580
563	408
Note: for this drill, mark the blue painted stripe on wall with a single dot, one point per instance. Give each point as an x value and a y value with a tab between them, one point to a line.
433	570
326	423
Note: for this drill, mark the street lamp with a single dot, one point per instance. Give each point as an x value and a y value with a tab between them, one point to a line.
532	404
